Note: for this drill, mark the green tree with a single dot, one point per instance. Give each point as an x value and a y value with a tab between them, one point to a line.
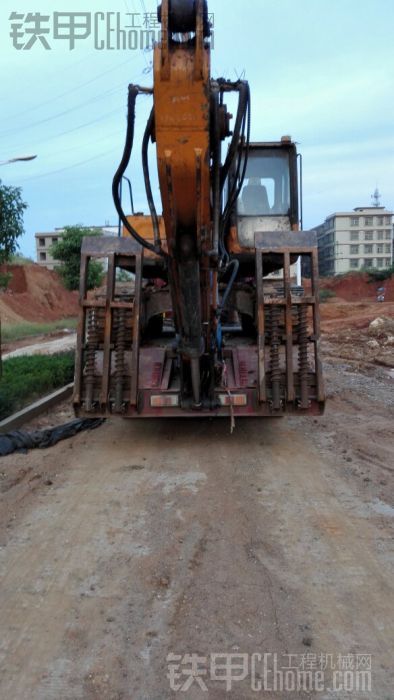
12	208
68	251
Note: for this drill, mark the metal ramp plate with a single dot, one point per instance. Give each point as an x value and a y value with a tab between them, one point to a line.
289	356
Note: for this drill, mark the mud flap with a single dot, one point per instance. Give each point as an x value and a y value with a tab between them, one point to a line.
288	320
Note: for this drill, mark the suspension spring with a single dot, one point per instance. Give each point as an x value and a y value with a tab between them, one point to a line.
91	349
274	356
120	358
303	367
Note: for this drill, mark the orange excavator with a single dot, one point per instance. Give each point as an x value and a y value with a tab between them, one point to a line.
201	315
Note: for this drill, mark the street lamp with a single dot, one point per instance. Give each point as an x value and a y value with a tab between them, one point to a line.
17	160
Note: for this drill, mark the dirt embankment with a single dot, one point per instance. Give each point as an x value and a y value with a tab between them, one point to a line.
357	287
355	326
35	294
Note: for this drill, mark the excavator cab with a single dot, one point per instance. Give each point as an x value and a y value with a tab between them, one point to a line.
269	199
270	186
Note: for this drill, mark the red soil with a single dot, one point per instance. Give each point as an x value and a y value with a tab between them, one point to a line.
36	294
357	287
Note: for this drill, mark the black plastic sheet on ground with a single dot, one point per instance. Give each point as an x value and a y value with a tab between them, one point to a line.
20	441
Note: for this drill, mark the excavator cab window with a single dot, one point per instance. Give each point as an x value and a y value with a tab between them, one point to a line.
266	189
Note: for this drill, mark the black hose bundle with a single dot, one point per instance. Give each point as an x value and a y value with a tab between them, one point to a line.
132	98
145	168
21	441
239	153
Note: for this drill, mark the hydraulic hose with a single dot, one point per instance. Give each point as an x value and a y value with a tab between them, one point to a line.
132	98
244	99
235	264
148	188
219	332
239	146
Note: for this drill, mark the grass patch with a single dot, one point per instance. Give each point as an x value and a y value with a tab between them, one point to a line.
26	379
326	294
20	331
19	259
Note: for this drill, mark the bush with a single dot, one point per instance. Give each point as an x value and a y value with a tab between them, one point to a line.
326	294
5	279
381	275
26	379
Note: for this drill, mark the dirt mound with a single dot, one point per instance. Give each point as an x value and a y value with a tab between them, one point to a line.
342	314
35	294
358	286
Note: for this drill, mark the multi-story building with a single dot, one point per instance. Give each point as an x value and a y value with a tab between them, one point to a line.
356	240
45	241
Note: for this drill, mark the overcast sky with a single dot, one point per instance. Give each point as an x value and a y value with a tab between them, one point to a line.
320	70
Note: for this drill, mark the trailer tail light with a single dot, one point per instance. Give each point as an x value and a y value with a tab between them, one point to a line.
233	399
164	401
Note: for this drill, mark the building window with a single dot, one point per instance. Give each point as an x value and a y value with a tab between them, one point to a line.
380	220
380	235
388	235
380	262
354	221
354	249
369	236
368	249
41	242
54	240
354	236
388	248
388	220
388	262
354	264
368	220
380	249
43	257
368	262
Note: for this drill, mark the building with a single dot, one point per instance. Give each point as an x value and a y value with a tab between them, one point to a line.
356	240
44	242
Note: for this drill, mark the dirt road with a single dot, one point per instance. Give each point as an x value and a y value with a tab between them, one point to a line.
141	540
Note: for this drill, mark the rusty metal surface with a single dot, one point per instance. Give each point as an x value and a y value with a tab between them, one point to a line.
107	356
289	365
104	246
292	241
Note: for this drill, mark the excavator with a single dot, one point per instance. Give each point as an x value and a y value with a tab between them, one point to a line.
200	314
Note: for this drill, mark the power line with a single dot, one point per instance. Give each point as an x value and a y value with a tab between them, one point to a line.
68	167
80	126
64	112
71	90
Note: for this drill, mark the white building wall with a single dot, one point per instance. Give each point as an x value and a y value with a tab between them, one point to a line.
351	241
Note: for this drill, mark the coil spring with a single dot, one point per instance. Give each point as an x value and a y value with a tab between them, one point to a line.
90	366
274	356
303	354
91	345
120	344
275	343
